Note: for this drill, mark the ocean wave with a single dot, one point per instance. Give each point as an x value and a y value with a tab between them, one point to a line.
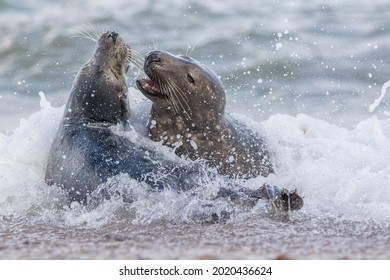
340	172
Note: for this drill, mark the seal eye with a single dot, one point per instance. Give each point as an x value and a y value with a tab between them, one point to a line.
190	79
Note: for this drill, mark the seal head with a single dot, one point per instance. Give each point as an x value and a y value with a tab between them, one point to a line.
183	86
99	92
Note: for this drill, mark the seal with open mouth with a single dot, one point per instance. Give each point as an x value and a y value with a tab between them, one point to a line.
188	114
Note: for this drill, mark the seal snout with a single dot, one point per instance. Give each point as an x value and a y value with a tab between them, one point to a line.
113	35
153	57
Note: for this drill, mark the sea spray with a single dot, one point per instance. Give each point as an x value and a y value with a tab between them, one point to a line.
340	172
23	161
378	101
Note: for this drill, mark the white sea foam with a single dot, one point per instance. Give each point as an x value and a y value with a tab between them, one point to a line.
340	172
23	161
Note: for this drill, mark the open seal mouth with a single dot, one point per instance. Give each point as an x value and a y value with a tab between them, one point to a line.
159	85
152	86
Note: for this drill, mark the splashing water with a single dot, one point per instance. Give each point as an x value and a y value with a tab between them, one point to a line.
378	101
340	172
343	175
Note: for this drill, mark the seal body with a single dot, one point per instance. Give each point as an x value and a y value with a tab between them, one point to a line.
85	151
188	114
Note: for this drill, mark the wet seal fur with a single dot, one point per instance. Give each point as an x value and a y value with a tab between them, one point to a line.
188	114
85	151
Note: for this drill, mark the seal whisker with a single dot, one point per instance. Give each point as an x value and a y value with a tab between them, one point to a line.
84	34
94	32
180	95
136	59
190	49
160	84
98	32
179	92
138	63
135	63
137	54
138	66
88	32
173	95
155	42
170	96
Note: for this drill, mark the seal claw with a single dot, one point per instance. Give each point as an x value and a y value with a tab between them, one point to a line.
282	200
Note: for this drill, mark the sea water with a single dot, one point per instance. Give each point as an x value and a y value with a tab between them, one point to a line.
311	78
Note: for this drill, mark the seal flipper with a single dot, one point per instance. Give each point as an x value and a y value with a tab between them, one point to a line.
281	199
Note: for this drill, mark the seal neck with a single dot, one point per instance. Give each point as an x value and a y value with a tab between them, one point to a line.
96	99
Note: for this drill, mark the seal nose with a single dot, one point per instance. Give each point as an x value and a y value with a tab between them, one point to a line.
152	57
113	35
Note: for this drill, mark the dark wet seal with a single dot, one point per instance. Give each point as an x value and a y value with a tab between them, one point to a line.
86	152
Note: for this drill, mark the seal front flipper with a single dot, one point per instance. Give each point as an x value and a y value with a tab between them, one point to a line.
282	200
